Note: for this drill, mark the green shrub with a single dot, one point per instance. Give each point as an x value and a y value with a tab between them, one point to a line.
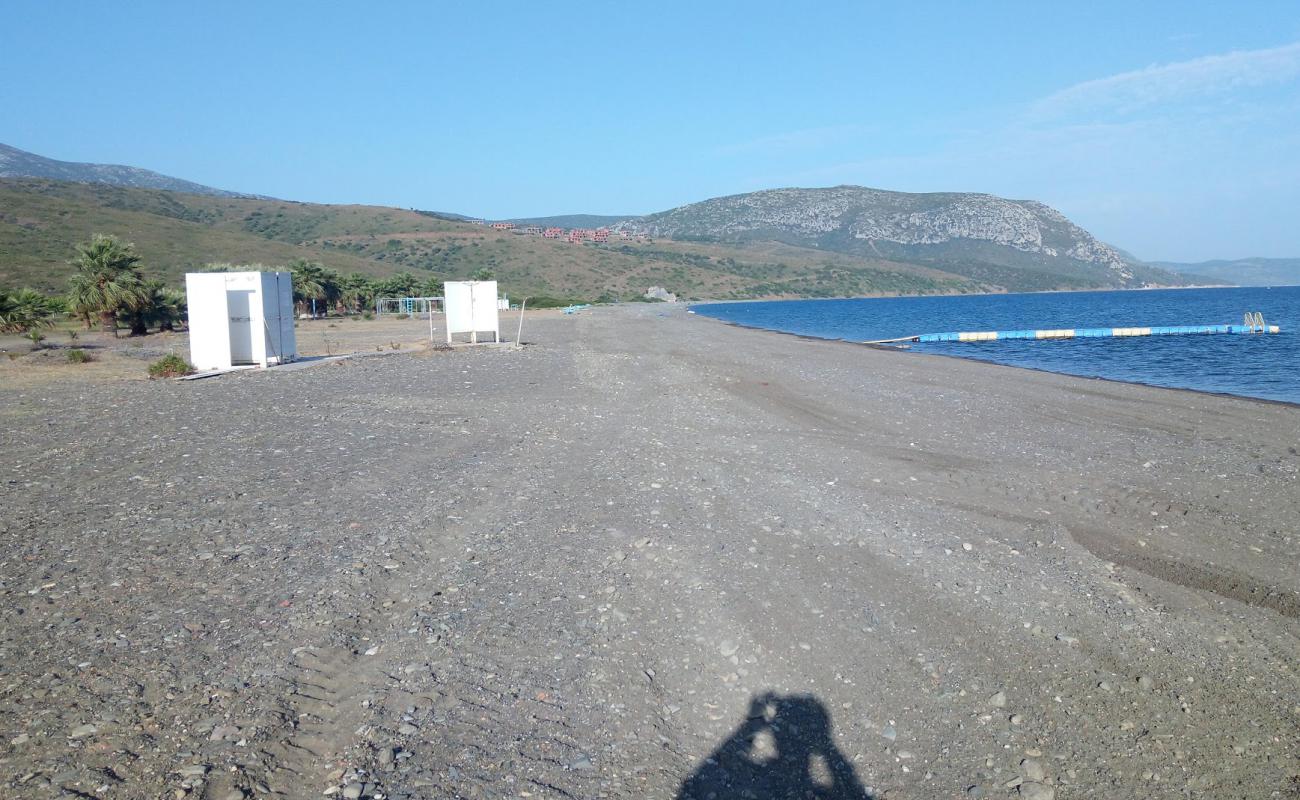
170	366
26	310
78	356
367	315
403	316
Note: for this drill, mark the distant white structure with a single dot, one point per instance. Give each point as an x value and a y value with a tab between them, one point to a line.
407	305
471	308
660	293
240	318
503	303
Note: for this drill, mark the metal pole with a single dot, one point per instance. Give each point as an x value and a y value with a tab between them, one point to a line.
431	323
519	335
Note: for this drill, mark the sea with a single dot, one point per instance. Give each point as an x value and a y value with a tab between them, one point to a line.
1260	366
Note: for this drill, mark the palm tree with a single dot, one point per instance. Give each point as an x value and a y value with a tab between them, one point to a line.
156	305
170	307
310	282
331	282
403	284
432	286
356	291
25	311
107	280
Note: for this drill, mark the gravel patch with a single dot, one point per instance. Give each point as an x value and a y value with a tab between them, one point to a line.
647	556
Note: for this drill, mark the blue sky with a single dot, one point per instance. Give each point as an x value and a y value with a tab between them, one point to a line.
1169	129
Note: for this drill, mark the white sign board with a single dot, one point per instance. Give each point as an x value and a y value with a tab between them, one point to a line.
471	308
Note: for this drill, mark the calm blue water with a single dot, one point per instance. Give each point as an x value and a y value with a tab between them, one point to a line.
1252	366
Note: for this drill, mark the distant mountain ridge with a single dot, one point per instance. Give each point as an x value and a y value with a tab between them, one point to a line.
793	242
1241	271
993	242
572	220
979	235
42	220
15	163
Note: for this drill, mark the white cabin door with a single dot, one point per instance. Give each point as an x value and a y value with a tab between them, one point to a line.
241	326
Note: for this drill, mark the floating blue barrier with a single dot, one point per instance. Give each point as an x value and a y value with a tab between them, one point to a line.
1254	324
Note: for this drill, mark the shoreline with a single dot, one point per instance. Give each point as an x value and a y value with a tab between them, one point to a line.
994	294
809	337
888	348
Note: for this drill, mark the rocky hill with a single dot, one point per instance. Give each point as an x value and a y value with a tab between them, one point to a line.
15	163
981	236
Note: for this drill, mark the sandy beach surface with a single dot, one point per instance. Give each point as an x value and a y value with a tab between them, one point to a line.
647	556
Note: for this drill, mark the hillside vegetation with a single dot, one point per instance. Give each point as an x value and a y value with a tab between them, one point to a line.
729	248
40	222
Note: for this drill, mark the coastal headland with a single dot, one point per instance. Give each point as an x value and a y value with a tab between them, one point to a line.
648	555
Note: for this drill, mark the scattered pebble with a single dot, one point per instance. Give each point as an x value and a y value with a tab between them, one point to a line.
1036	791
82	731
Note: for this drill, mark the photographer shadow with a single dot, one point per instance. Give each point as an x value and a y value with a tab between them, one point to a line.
783	749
